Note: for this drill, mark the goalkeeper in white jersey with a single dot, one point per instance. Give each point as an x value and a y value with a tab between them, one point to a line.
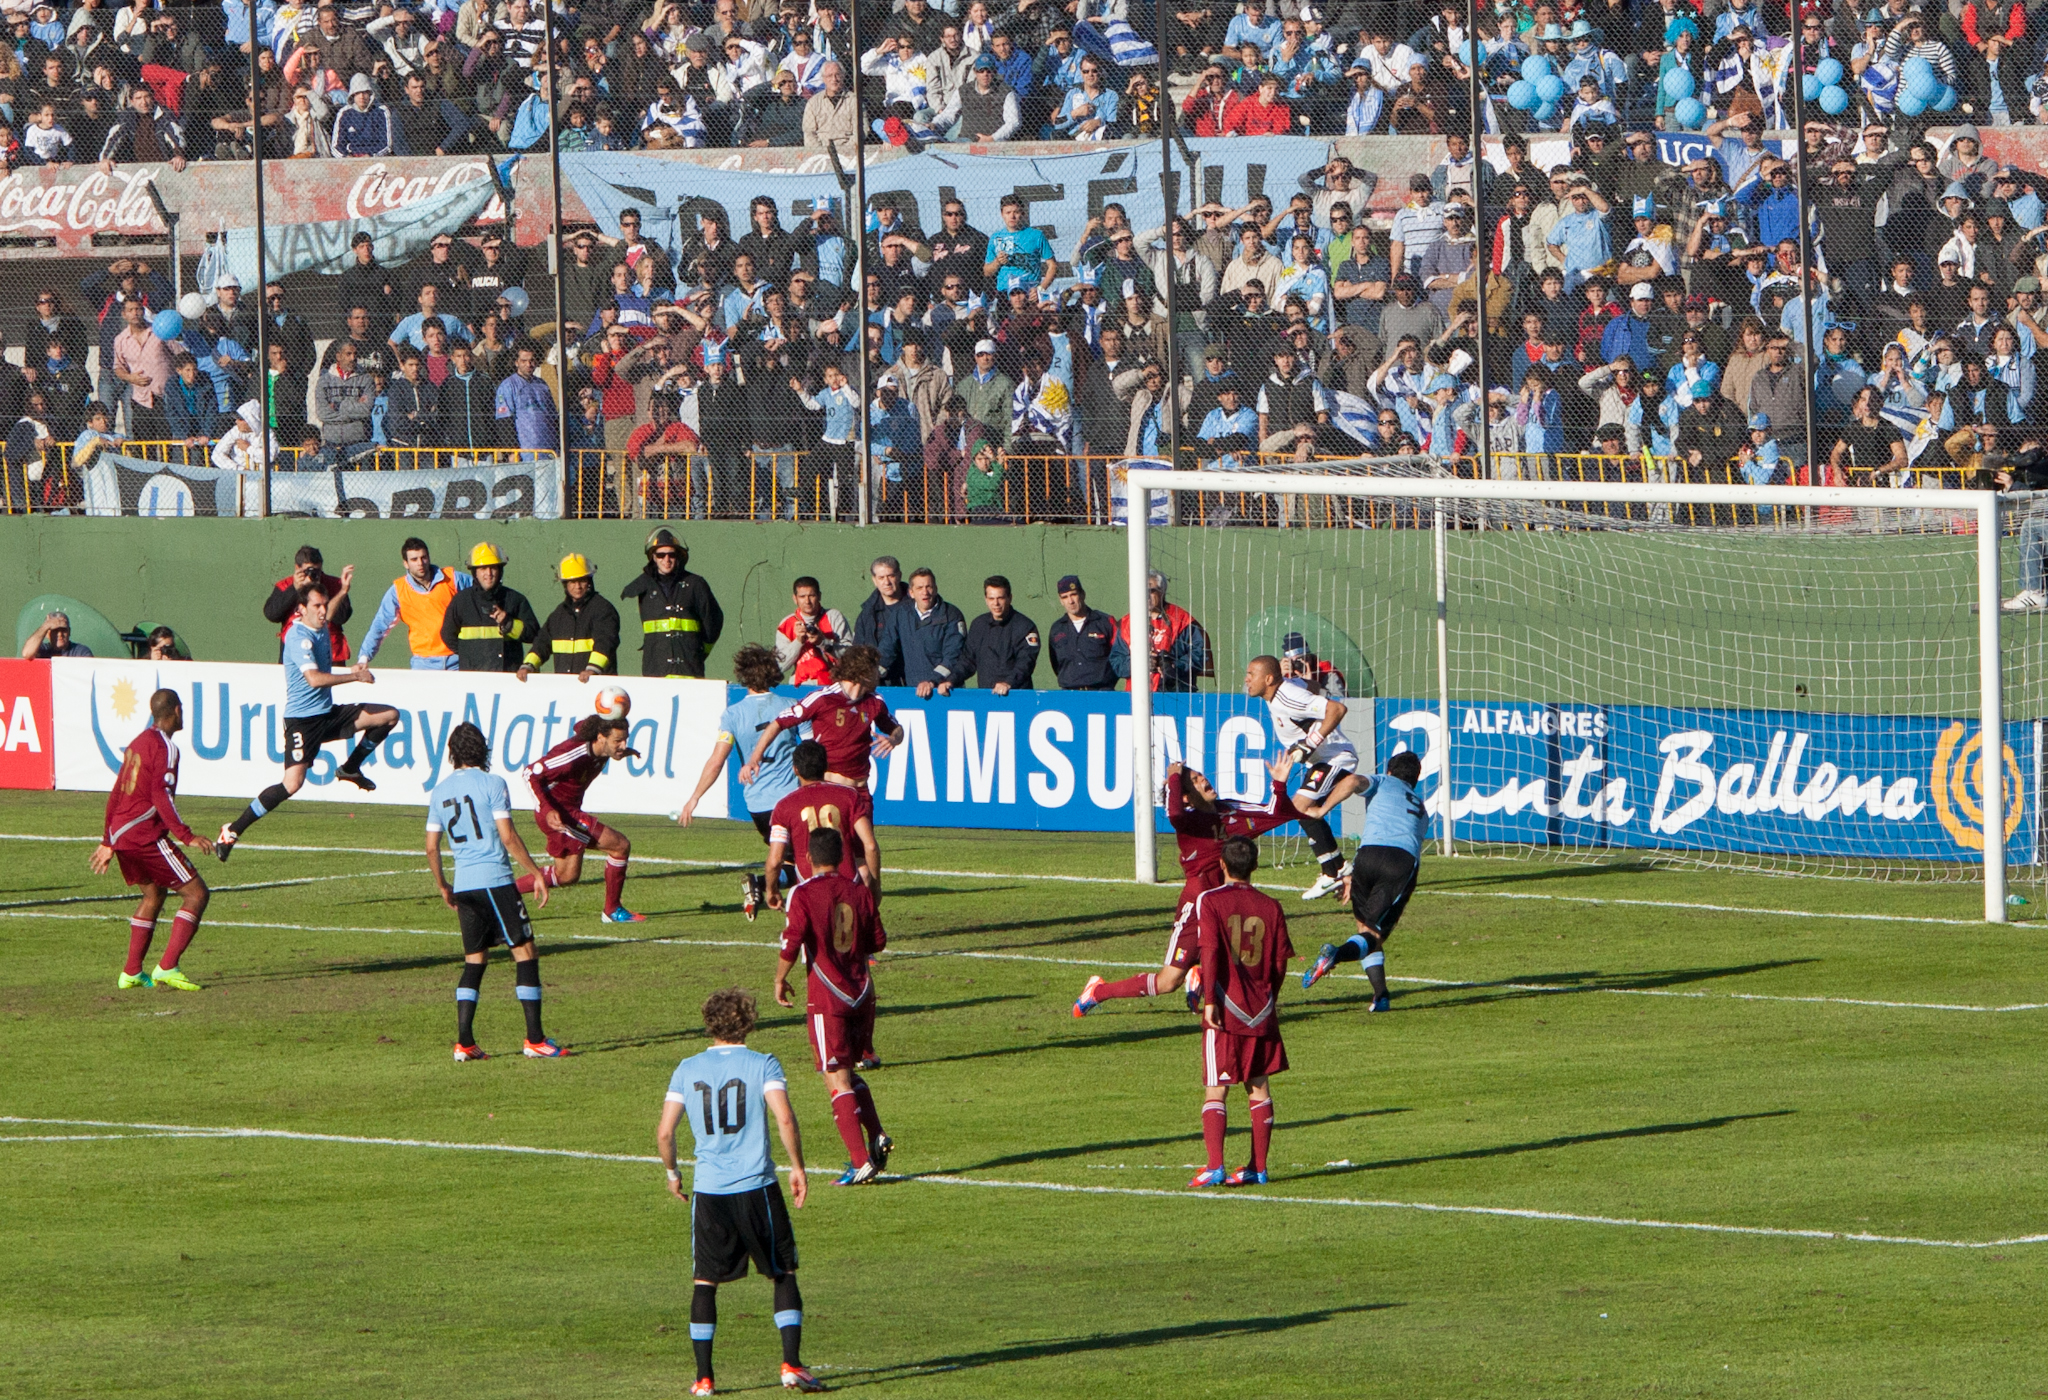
1306	722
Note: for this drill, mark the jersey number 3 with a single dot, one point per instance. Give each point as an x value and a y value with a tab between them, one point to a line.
732	1106
1247	936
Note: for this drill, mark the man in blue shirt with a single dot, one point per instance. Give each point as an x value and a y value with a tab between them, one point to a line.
473	808
728	1093
1629	333
739	728
1231	429
1017	256
311	718
527	404
924	640
1382	874
1580	236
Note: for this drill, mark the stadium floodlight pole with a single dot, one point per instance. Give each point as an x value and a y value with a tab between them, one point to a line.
1138	518
1442	740
547	75
262	279
1169	187
1810	351
1991	703
1482	258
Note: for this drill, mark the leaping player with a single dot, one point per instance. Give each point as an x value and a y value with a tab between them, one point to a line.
1306	722
311	718
1201	823
847	717
1382	874
142	820
559	779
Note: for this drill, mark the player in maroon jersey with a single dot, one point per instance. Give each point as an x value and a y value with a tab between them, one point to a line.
142	819
1201	823
1242	935
835	928
844	717
819	805
559	779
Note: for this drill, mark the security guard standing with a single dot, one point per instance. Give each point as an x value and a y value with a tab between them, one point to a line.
488	627
679	619
1088	651
582	633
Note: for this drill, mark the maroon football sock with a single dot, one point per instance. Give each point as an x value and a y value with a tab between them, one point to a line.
1144	985
1262	1132
183	927
527	884
140	931
846	1117
864	1100
614	882
1215	1118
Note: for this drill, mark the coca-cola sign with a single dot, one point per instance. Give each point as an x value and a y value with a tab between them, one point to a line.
380	189
74	209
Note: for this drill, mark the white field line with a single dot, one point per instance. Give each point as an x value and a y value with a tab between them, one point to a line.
127	896
1425	891
1341	1202
1544	988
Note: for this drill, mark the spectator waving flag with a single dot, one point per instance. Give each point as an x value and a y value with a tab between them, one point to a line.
1914	426
1881	87
1114	41
1769	65
1726	74
1355	416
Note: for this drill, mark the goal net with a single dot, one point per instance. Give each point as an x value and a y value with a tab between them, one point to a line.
1785	680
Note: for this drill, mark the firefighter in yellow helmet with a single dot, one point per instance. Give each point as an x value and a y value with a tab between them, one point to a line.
680	620
489	627
582	633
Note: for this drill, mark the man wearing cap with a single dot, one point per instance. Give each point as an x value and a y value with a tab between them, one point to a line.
1088	649
582	633
680	619
1711	431
488	626
2021	200
52	637
1650	253
1628	335
1448	261
987	390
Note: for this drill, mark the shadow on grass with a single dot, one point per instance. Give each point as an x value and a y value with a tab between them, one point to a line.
384	966
1550	984
1037	1348
788	1019
1054	1154
1511	1149
1561	872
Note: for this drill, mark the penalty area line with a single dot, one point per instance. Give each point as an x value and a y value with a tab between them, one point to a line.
1063	1188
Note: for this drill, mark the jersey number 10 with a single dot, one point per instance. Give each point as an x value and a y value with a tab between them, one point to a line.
732	1106
1247	936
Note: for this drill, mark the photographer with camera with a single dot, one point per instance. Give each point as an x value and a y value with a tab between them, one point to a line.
809	639
2025	468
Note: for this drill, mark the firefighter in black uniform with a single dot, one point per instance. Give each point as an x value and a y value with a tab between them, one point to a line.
488	627
679	619
582	633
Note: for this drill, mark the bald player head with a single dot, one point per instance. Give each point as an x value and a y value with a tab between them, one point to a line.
1262	677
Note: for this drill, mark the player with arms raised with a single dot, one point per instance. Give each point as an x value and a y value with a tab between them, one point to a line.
473	807
1243	937
1382	874
1306	723
142	821
834	928
1201	823
311	718
559	778
743	722
728	1093
844	716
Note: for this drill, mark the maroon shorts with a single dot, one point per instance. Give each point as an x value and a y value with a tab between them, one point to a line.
580	832
837	1042
1238	1059
1181	951
162	864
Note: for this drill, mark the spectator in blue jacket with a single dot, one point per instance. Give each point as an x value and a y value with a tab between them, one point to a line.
363	128
1629	334
924	638
1775	202
191	409
1088	651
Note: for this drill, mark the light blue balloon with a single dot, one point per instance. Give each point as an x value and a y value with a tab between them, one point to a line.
1535	66
1916	65
168	325
1834	101
1810	86
1910	106
1944	100
1689	113
1522	95
1924	86
1547	113
1678	84
1829	71
1550	88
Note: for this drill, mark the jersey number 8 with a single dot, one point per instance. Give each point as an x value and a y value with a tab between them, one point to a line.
1248	936
842	927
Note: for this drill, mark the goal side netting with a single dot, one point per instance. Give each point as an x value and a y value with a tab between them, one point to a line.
1786	680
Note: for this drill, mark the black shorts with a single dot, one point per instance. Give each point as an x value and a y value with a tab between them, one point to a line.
304	736
1321	778
728	1230
763	821
492	917
1382	878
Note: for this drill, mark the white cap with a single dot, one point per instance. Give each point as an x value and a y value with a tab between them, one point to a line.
984	347
888	381
1641	292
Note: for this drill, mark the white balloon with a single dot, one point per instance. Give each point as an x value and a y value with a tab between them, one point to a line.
192	306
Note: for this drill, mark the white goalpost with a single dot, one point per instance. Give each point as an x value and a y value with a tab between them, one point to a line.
1786	679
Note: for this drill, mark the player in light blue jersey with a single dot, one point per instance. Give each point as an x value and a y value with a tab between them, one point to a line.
1382	874
311	718
727	1094
473	808
756	668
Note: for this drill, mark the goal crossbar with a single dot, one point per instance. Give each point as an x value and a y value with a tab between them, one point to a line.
1985	505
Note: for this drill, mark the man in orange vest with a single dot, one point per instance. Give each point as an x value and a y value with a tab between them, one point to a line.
418	598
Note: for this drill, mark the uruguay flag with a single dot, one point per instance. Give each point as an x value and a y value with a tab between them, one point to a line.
1114	41
1356	417
1881	87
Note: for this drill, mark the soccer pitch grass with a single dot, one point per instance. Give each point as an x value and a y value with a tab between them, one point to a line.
1611	1064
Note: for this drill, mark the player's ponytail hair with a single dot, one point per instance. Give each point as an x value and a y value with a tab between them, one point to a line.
467	747
729	1015
862	665
590	726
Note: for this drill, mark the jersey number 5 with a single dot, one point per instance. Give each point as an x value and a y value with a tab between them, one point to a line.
842	927
1248	936
732	1106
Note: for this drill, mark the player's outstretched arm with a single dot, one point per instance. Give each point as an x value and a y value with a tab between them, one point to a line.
509	834
434	869
792	1143
713	766
665	1144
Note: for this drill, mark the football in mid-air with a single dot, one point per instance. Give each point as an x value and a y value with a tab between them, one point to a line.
613	702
